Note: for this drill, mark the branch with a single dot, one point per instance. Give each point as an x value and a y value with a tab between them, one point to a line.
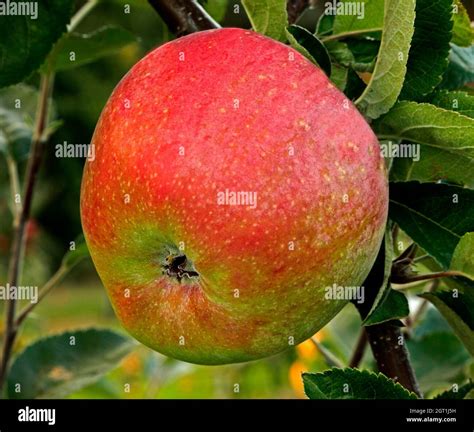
390	353
19	240
295	8
429	276
330	359
184	16
359	349
55	279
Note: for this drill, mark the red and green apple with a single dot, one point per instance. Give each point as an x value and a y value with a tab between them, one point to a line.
232	184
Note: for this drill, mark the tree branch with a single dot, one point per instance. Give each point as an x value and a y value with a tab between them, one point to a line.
19	240
55	279
184	16
359	349
390	353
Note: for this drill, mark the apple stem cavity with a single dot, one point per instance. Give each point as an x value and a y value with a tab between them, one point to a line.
179	267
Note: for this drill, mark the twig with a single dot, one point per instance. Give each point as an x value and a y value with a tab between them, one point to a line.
349	34
430	276
18	245
81	14
14	188
412	320
330	359
295	8
359	349
184	16
55	279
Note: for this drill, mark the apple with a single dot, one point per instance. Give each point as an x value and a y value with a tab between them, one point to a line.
232	185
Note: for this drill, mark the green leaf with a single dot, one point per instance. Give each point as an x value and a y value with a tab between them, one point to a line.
456	393
76	49
437	358
446	139
372	16
360	55
17	111
428	57
55	366
460	69
339	76
268	17
365	53
463	34
459	101
389	73
325	25
310	46
352	384
394	306
458	309
74	256
435	216
26	42
463	256
217	9
355	86
431	322
378	278
18	105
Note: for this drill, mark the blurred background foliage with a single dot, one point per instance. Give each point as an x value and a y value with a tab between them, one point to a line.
80	301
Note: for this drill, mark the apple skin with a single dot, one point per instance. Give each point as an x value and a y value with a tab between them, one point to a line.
231	109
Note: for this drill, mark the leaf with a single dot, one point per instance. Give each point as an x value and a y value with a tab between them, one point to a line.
458	309
456	393
26	42
446	139
355	86
357	54
437	358
460	69
87	48
55	366
352	384
429	52
268	17
217	9
80	251
372	16
387	80
365	53
431	322
463	34
17	113
378	279
394	306
310	46
435	216
339	76
459	101
463	257
17	110
324	25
